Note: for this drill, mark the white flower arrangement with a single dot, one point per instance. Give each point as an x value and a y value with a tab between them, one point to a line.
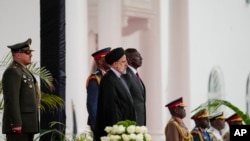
126	131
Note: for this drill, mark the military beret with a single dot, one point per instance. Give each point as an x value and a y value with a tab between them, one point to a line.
176	103
23	46
114	55
101	53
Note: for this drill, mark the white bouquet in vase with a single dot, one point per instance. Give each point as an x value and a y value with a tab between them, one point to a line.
126	131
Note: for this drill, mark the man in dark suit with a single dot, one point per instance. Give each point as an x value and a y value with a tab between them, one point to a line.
115	102
21	96
93	82
136	85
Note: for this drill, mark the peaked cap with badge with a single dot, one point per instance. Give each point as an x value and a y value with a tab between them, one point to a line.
101	53
176	103
234	117
23	46
219	115
200	114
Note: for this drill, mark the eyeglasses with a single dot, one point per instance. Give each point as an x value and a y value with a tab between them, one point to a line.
28	52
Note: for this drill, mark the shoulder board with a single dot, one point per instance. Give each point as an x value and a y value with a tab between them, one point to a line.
93	76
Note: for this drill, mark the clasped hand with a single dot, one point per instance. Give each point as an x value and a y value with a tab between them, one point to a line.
17	130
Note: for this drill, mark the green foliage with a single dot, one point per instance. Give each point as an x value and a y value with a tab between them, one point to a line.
214	104
126	123
86	136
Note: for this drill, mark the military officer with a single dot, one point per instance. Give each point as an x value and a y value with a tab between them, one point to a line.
217	122
176	129
201	125
234	119
21	96
92	84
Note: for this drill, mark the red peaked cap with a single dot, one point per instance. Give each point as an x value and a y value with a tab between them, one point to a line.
176	103
234	117
101	53
200	114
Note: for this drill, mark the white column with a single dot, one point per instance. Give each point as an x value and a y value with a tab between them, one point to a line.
179	54
109	23
76	63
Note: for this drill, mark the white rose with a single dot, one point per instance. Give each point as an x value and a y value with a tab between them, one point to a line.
131	129
148	137
125	137
108	129
132	136
144	129
115	137
139	137
115	129
120	129
104	138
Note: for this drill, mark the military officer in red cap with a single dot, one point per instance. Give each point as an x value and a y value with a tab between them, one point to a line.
234	119
21	96
92	84
201	125
175	129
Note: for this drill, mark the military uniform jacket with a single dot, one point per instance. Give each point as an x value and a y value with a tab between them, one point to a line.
215	134
114	103
138	93
176	130
92	86
200	134
21	100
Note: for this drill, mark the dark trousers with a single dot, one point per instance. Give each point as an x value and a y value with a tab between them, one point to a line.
19	137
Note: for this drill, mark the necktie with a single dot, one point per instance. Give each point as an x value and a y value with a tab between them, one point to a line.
137	76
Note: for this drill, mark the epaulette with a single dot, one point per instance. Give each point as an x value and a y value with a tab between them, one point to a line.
93	76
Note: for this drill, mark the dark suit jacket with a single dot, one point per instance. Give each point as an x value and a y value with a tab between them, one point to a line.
20	100
114	103
138	93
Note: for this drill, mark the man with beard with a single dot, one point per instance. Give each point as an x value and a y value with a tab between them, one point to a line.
115	102
200	133
175	129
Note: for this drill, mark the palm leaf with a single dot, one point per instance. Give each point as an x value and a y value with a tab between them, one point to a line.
50	101
44	74
216	103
